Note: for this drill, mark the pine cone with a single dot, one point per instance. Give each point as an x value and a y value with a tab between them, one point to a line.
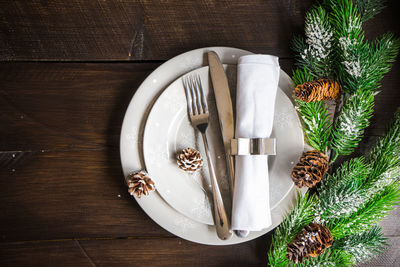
311	242
139	184
322	89
310	169
190	160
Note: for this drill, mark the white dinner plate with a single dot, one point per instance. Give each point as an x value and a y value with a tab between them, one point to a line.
131	146
168	130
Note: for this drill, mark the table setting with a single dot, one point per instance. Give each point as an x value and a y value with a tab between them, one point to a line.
223	149
183	203
199	133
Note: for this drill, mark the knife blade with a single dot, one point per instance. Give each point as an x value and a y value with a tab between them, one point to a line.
224	107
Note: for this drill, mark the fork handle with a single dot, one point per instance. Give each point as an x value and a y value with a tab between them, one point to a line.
221	220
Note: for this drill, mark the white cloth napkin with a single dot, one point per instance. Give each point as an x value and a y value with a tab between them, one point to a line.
257	82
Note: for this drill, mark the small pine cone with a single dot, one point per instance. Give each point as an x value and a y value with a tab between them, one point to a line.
310	169
322	89
190	160
311	242
139	184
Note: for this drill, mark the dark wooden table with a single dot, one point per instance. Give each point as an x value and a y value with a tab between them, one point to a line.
68	72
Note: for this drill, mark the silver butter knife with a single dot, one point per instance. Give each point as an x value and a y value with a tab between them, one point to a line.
225	115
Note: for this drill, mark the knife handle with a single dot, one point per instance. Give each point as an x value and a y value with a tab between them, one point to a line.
220	217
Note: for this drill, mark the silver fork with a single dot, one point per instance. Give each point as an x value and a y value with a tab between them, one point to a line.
198	112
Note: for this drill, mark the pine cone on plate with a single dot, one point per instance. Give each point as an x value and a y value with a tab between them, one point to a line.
311	242
190	160
322	89
139	184
310	169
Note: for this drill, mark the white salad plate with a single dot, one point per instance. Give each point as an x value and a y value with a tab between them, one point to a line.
131	147
168	130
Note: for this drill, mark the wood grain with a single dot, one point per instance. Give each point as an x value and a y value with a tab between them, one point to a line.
67	253
69	194
153	30
175	252
65	105
143	30
135	252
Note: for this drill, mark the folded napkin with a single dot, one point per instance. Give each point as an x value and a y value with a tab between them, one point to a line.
257	82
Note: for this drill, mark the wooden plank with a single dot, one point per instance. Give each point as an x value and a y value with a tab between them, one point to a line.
69	194
153	252
65	106
143	30
175	252
153	30
67	253
74	30
133	252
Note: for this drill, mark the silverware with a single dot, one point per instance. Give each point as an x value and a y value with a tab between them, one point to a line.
225	116
199	115
225	110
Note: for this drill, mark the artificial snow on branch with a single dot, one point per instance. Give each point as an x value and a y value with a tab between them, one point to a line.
352	199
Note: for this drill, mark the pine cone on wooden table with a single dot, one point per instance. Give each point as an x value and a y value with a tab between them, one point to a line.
190	160
311	169
311	242
322	89
139	184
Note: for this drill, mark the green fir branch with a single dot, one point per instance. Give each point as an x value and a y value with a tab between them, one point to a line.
362	191
317	123
374	211
360	65
349	39
351	122
342	193
301	76
346	21
297	218
314	53
329	257
363	246
369	8
376	60
385	156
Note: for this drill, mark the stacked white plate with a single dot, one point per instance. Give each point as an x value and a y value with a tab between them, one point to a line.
156	127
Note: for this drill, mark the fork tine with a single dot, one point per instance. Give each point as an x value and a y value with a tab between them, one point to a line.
203	98
198	94
189	100
196	111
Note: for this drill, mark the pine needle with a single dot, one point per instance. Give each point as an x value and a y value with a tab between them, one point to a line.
369	8
317	123
385	156
301	76
363	246
314	53
374	211
329	257
351	122
341	193
297	218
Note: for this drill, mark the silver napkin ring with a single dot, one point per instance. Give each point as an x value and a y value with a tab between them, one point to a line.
253	146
